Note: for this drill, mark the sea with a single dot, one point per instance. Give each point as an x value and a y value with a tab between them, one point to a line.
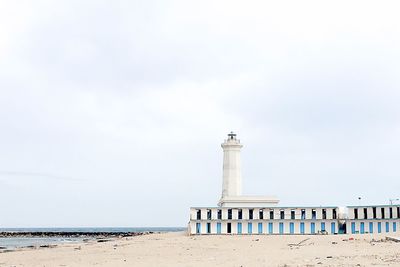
20	242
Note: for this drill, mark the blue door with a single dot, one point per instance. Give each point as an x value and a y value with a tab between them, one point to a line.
218	228
353	227
198	228
281	228
270	228
362	228
379	227
260	228
394	227
387	227
371	227
313	228
333	228
322	226
250	228
239	229
291	226
302	228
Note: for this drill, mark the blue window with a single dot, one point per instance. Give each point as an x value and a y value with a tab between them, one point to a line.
218	228
260	228
322	226
281	228
250	228
291	226
198	228
379	227
362	228
371	227
387	227
239	228
270	228
313	228
333	228
353	227
302	228
394	227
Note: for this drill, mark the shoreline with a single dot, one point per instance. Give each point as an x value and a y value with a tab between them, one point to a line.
71	234
56	239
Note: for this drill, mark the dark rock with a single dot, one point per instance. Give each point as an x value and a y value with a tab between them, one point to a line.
70	234
103	240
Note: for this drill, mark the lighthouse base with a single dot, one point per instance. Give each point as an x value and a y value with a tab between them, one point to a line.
248	201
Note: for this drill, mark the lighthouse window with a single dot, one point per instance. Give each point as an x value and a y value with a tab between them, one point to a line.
198	215
229	214
355	213
251	214
219	214
324	214
282	213
208	214
383	213
398	212
240	214
390	213
374	212
261	214
271	214
365	213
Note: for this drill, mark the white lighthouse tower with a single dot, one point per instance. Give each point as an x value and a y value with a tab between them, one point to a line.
232	173
232	179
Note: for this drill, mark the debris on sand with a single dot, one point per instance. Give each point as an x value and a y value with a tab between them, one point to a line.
103	240
394	239
301	243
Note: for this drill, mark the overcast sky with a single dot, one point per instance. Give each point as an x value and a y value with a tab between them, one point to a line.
112	112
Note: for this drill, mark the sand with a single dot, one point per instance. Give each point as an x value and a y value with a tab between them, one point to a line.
178	249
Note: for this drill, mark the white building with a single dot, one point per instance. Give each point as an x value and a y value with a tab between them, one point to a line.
238	214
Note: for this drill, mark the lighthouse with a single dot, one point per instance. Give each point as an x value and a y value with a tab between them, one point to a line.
232	173
232	179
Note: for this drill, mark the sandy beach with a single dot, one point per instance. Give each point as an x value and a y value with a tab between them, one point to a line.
178	249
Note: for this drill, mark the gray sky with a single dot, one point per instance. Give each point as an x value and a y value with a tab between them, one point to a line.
112	112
